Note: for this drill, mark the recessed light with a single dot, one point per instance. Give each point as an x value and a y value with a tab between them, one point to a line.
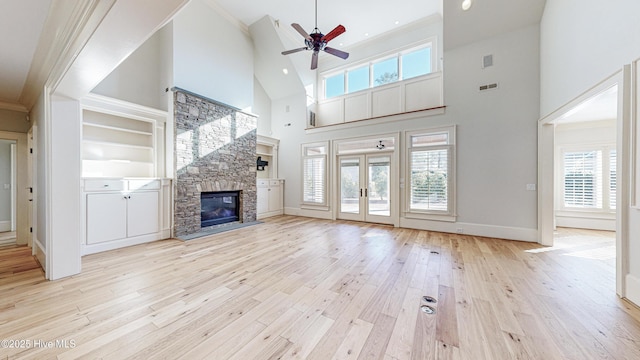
366	34
466	5
341	44
285	71
397	22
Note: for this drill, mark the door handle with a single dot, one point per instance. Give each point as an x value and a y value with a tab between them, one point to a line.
360	192
365	193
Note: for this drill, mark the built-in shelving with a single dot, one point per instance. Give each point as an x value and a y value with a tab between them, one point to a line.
118	140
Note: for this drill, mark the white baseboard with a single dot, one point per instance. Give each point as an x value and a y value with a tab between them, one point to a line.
87	249
500	232
632	291
40	254
318	214
7	242
586	223
492	231
269	214
5	226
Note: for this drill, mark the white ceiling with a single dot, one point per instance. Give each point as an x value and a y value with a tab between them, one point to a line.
359	17
21	23
603	106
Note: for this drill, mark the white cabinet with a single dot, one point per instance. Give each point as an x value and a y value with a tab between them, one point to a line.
106	217
270	197
123	212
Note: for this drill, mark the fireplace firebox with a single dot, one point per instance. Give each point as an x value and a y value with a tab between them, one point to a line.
219	207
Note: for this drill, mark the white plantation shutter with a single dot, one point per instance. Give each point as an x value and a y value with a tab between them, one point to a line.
314	180
429	179
314	174
430	173
581	179
612	179
589	179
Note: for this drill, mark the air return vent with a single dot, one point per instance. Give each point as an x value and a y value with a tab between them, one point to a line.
487	61
488	87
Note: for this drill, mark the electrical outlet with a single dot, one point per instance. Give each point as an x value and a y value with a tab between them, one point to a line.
460	230
7	186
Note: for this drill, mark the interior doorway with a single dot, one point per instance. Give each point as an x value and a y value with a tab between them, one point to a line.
8	168
583	175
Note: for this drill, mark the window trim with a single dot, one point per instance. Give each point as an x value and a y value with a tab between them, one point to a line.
438	215
324	205
398	53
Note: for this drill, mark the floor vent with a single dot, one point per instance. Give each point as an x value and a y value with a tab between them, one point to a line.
427	309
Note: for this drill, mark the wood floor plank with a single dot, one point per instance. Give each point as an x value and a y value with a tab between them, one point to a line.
295	287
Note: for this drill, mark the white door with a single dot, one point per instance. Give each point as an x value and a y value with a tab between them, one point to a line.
364	182
142	213
106	217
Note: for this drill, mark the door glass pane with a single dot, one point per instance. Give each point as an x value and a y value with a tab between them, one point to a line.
378	187
350	186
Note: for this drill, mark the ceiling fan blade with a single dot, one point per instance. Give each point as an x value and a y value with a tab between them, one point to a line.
333	33
293	51
314	60
339	53
301	31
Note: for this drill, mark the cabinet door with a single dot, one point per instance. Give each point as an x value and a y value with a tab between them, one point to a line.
263	200
106	217
143	213
275	197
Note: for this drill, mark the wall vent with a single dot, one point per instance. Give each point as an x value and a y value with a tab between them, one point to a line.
487	61
488	87
312	119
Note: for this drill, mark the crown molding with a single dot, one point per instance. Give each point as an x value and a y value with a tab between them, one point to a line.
224	13
13	107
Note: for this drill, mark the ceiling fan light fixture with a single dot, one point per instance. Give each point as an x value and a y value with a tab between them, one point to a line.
466	5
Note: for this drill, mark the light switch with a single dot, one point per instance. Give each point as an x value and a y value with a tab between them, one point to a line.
531	187
7	186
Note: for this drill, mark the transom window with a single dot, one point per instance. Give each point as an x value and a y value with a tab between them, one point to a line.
400	66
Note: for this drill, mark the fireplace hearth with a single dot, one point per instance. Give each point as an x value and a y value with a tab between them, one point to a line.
219	207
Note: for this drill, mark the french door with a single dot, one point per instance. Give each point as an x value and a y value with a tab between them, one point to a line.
364	182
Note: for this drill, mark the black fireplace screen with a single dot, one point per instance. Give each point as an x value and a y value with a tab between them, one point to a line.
219	207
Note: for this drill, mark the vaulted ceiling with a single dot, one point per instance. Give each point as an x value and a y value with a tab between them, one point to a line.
22	23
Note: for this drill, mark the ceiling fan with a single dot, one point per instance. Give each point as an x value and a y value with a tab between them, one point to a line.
317	42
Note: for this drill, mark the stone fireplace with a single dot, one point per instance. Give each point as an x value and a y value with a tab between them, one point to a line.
215	152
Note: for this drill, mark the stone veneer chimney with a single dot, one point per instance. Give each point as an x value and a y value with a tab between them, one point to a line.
215	150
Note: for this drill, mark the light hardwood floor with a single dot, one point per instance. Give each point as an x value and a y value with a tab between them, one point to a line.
314	289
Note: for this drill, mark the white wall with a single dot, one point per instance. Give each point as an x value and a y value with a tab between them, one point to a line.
496	135
212	57
38	120
63	202
14	121
5	178
583	42
262	108
139	78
